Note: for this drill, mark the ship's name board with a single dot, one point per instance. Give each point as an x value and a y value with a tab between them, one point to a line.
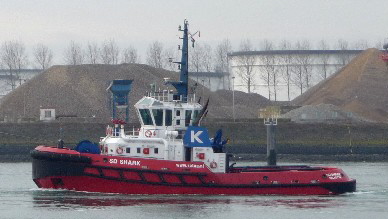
334	175
183	165
125	162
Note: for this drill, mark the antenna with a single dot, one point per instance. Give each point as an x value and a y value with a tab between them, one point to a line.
192	37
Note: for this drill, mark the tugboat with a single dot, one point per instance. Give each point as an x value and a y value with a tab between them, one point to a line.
172	154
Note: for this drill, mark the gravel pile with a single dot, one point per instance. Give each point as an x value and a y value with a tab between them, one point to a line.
322	113
360	87
81	91
246	105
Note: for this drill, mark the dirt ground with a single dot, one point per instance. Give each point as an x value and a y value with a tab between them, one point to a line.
360	87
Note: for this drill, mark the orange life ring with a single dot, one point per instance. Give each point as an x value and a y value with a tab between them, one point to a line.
213	165
119	150
148	133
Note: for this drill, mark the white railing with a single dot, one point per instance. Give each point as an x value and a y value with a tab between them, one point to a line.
168	96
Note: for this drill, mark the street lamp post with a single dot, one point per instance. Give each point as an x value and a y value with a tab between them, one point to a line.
234	116
203	90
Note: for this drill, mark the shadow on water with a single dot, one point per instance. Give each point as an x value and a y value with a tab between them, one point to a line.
73	200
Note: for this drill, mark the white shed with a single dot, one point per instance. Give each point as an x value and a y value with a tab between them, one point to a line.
47	114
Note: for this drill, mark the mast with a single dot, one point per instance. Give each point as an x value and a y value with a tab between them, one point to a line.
184	74
182	85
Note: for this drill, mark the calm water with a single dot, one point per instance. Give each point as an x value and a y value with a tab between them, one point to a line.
20	198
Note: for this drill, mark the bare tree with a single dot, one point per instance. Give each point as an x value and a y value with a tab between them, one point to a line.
207	58
304	59
9	60
302	70
196	58
361	45
344	57
221	59
245	64
201	58
286	59
74	54
342	44
43	56
110	52
379	44
14	58
130	55
155	55
297	76
169	55
324	58
268	64
105	55
221	56
21	59
93	53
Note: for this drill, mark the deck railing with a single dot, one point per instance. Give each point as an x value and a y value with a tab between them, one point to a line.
170	96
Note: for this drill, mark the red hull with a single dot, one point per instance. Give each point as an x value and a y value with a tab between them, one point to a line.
91	184
67	169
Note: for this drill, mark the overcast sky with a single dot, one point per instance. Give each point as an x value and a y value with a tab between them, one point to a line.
140	22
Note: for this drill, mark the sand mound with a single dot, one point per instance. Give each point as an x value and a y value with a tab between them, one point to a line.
246	105
81	91
359	87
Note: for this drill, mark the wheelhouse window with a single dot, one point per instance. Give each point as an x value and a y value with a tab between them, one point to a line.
196	113
138	150
158	116
168	118
128	150
187	117
156	150
146	116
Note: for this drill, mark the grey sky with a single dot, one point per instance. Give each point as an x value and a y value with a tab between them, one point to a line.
140	22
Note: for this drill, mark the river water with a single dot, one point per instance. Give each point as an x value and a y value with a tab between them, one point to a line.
20	198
